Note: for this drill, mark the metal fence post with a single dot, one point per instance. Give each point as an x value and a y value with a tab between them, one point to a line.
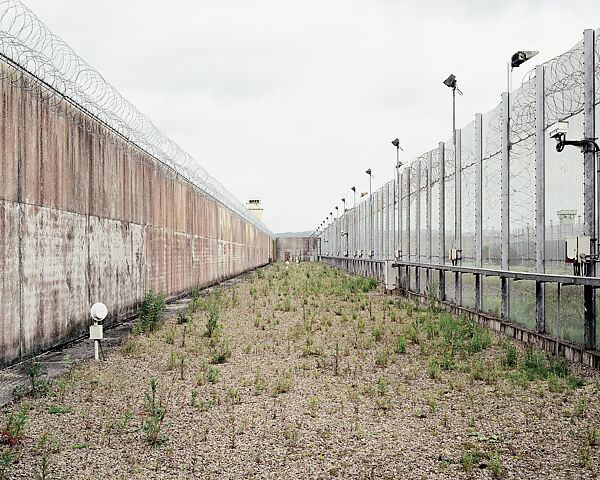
418	227
442	220
478	210
393	215
540	200
382	229
589	188
428	221
400	217
390	220
457	215
407	175
505	218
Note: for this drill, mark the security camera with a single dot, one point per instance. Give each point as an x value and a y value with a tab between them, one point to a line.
98	312
558	130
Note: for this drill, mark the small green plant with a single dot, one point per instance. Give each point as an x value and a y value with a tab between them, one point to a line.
14	431
212	374
182	317
154	416
592	436
7	457
433	369
583	454
573	382
59	410
151	312
221	353
259	384
400	346
495	465
234	396
170	336
212	322
44	467
282	384
314	403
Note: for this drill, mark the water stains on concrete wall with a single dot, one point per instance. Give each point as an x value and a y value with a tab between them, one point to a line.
85	216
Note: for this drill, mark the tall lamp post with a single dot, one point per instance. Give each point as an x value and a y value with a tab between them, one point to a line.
397	236
451	83
368	172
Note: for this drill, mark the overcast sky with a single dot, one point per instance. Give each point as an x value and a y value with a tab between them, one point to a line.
292	101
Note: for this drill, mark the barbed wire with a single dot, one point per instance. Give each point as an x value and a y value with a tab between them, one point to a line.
55	74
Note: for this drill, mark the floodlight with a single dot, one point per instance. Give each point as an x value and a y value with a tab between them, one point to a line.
450	81
521	57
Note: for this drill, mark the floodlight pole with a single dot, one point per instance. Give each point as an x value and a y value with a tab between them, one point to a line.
368	172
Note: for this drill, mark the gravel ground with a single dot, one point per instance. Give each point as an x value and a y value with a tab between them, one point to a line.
309	374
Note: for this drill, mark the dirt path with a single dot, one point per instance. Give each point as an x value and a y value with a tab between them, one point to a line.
311	373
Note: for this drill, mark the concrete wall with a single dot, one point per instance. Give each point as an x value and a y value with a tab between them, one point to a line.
85	217
304	248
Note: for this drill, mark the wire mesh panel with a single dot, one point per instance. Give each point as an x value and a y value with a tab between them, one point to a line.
435	205
413	182
422	183
468	210
449	205
522	176
491	168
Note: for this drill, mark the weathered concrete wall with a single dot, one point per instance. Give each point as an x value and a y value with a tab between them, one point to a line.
85	216
304	248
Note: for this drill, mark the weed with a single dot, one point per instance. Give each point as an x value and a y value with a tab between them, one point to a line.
583	455
383	357
495	465
282	385
171	361
151	312
44	474
592	436
183	317
154	417
170	336
212	322
555	384
234	396
314	402
291	435
59	410
14	431
400	346
259	384
574	382
534	365
7	457
212	374
221	353
433	370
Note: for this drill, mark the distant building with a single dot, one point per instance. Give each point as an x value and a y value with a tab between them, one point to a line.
254	205
566	217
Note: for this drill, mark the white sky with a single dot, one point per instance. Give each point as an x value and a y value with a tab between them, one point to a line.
292	101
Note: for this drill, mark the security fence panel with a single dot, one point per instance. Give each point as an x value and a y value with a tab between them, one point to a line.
504	213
